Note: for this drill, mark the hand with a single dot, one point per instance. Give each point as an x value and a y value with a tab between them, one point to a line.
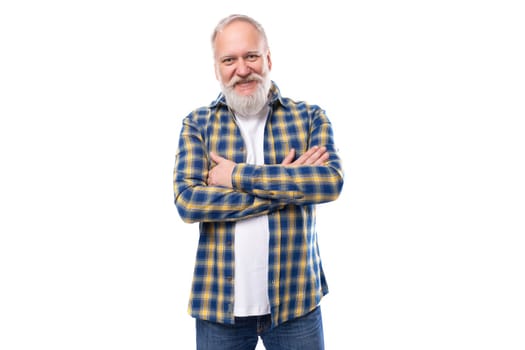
314	156
220	174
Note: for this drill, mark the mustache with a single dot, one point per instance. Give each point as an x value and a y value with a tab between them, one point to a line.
252	77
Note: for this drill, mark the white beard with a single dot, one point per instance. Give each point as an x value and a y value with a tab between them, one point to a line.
247	105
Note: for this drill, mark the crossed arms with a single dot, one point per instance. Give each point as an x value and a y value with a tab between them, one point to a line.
209	187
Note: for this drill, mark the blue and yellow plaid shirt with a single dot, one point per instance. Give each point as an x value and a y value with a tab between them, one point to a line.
287	194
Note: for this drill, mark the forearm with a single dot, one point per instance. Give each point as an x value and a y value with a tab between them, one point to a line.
212	203
197	201
307	184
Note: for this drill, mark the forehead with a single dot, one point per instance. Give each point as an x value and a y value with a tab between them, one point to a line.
237	37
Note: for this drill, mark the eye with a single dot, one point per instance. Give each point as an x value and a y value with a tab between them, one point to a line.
228	61
252	57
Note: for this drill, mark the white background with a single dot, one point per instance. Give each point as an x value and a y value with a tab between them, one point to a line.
423	250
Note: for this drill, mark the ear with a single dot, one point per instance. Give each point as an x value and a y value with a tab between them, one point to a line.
216	70
269	59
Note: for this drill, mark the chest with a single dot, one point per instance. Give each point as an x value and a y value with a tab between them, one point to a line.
277	135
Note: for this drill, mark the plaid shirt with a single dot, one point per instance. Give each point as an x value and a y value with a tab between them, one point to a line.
287	194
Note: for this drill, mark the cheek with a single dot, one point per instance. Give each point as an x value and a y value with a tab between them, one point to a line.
224	74
260	69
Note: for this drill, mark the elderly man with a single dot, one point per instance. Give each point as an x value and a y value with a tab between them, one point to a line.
250	168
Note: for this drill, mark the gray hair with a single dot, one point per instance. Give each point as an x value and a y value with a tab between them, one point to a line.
236	17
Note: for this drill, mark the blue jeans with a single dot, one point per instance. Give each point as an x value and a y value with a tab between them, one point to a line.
303	333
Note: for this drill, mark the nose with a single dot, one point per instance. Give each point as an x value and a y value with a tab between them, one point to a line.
243	69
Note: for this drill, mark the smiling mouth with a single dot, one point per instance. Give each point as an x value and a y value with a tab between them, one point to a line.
245	82
246	87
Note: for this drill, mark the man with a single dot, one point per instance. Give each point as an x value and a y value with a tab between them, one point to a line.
250	168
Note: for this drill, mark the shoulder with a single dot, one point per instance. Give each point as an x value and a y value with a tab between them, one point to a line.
299	107
204	113
290	105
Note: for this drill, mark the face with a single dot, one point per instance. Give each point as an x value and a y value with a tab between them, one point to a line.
242	66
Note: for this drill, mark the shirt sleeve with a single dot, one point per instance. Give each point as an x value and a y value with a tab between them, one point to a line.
305	184
198	202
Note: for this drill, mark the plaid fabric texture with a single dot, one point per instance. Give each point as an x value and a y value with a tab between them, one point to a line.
287	194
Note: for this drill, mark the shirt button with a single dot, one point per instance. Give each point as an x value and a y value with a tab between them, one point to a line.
229	278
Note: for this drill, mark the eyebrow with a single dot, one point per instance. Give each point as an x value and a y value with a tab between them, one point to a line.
245	54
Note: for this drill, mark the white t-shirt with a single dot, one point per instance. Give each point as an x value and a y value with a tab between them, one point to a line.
252	235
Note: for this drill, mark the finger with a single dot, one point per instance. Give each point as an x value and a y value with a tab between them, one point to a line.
211	178
289	157
320	153
322	159
314	156
305	156
216	158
